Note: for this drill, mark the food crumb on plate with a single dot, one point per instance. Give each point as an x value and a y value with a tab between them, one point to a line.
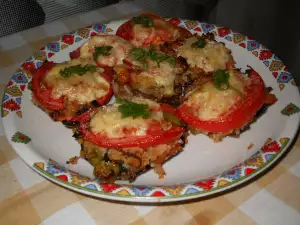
73	160
250	146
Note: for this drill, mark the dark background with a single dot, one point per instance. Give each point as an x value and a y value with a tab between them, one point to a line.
274	23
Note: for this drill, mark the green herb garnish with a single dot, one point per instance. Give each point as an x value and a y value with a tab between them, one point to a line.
141	55
199	44
144	20
132	109
159	57
77	69
138	54
102	50
221	81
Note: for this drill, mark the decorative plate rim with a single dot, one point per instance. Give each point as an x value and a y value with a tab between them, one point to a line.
168	193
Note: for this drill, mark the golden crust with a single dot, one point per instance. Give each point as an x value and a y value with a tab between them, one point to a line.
127	163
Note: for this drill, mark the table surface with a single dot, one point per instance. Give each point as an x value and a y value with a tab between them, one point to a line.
27	198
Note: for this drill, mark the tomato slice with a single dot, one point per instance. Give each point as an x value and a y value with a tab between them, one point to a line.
125	30
163	31
103	100
75	54
165	108
108	73
42	95
155	135
238	116
134	141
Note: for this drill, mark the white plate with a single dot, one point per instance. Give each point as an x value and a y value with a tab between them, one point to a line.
204	168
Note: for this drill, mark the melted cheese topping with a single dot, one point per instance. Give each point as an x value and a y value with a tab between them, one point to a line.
160	32
119	51
142	34
163	26
212	57
155	78
210	103
82	89
108	120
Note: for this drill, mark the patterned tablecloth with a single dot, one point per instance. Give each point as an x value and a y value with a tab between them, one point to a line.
27	198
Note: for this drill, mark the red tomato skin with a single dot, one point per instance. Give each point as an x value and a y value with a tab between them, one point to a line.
148	140
125	30
44	98
75	54
161	34
239	115
103	100
166	108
